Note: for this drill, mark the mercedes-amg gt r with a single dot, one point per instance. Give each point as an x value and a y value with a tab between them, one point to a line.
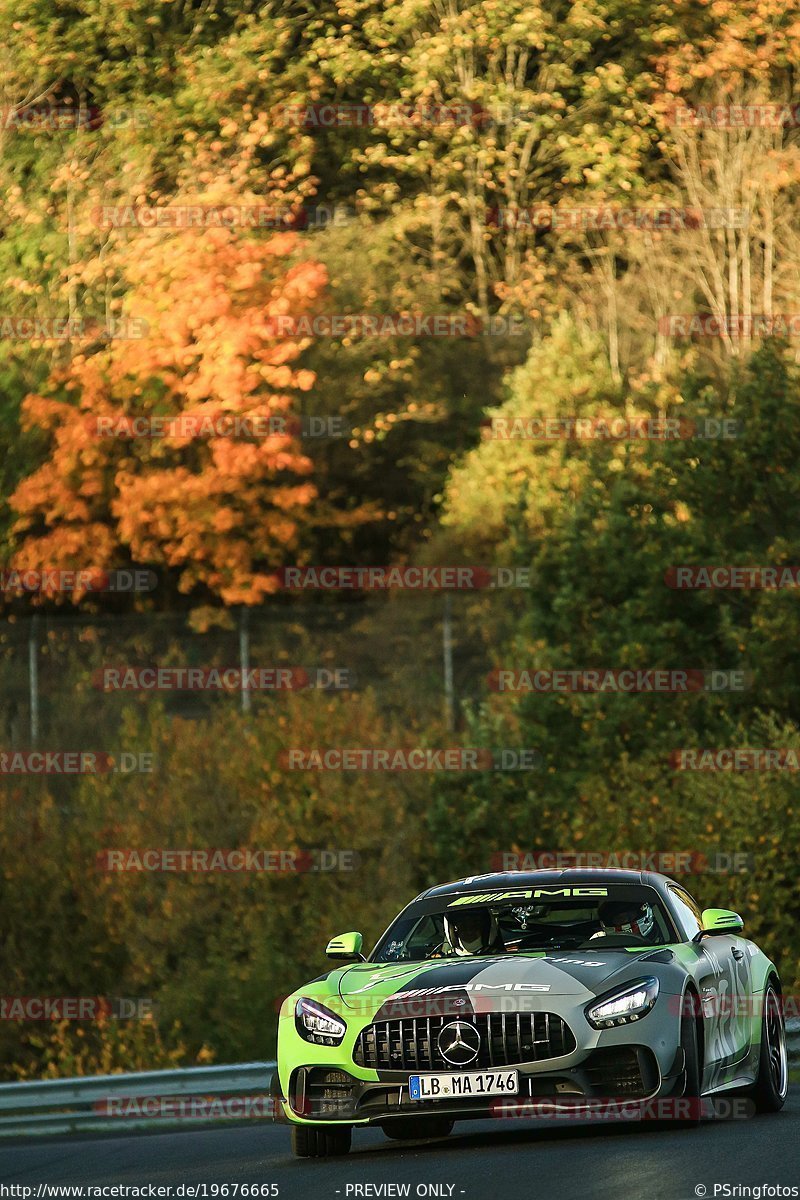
548	991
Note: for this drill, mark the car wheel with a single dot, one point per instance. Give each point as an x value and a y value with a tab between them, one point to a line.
690	1092
692	1073
770	1089
411	1129
321	1141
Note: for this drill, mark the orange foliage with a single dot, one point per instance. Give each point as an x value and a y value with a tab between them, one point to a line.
746	43
219	512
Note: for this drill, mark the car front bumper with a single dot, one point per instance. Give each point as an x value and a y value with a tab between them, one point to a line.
604	1075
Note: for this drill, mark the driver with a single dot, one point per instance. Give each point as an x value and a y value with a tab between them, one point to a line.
623	917
473	932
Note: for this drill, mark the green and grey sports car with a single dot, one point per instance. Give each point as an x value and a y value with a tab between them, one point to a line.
542	992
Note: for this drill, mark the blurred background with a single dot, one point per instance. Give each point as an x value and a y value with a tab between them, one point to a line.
601	200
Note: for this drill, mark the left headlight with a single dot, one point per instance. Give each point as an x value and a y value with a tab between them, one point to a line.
623	1006
316	1023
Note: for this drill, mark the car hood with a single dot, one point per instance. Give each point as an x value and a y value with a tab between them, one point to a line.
524	981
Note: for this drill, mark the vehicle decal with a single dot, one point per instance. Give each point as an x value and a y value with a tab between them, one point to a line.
542	893
476	987
575	962
723	997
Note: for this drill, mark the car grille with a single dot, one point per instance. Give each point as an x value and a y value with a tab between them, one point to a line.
506	1038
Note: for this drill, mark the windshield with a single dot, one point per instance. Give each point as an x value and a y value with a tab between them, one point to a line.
465	925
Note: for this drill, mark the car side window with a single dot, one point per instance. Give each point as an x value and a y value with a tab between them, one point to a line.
687	911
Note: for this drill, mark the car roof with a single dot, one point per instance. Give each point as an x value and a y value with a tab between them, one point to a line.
507	880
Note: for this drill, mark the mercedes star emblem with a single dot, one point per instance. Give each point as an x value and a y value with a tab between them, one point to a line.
459	1043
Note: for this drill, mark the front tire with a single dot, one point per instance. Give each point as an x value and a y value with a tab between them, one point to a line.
771	1087
321	1141
690	1093
692	1074
412	1129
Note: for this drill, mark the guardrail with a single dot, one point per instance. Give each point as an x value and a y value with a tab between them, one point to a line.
88	1104
77	1105
793	1041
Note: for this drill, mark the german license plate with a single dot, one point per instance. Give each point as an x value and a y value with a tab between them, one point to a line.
465	1083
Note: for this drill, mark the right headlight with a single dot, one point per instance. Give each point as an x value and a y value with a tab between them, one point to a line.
623	1005
316	1023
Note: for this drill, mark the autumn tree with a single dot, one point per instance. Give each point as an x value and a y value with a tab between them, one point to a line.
215	512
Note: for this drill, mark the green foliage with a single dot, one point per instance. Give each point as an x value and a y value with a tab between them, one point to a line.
215	953
600	523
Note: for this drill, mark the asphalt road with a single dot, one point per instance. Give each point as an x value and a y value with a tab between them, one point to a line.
482	1160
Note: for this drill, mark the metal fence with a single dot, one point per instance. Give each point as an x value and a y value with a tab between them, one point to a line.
102	1103
58	1106
420	653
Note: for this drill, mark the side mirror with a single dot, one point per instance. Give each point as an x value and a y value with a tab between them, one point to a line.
347	946
719	920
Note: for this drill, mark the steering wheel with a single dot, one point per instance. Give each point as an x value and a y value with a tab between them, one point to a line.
546	936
